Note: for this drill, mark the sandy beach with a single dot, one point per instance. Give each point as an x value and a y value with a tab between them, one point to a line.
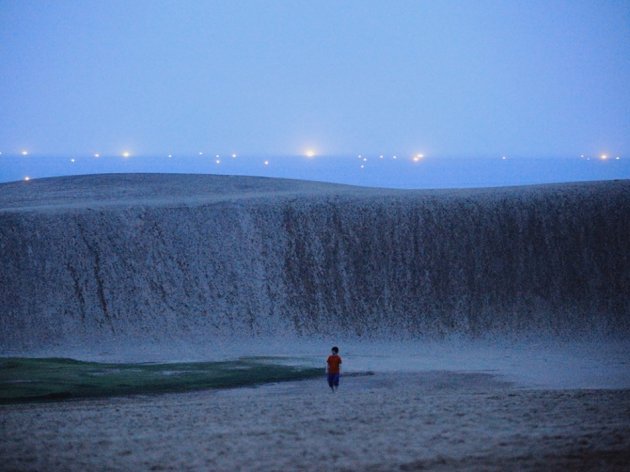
424	421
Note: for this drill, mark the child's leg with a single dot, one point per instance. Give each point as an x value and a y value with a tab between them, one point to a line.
331	381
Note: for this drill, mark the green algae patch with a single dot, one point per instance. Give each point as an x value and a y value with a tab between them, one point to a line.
50	379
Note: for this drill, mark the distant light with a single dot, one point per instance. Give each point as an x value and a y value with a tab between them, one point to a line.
0	154
266	163
200	153
503	158
380	157
233	156
362	166
217	156
72	160
126	154
27	178
616	158
310	153
603	157
582	156
365	159
170	155
418	157
97	155
394	157
24	152
218	161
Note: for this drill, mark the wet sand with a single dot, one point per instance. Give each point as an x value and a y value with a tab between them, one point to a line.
411	421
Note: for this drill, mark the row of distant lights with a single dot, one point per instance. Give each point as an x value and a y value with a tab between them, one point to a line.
217	158
420	157
310	154
127	154
603	157
364	160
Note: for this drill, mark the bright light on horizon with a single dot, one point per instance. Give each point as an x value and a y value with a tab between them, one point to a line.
24	152
603	157
310	153
126	154
27	178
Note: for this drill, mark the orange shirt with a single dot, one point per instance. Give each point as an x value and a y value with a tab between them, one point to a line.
333	361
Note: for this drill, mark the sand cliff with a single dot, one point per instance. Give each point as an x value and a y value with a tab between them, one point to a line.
156	257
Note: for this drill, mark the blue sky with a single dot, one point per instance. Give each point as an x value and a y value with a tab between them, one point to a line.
445	78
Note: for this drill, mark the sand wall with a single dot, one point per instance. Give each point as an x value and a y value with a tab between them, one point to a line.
160	265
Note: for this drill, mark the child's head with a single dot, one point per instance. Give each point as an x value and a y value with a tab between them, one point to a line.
335	350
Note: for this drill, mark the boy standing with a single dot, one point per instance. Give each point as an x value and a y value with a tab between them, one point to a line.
333	369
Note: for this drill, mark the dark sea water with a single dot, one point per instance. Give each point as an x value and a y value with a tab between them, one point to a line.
364	170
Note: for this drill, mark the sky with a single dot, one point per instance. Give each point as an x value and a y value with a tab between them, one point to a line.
443	78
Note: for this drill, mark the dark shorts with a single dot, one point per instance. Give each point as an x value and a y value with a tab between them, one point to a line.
333	380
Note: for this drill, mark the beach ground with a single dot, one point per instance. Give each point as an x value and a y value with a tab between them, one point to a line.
414	421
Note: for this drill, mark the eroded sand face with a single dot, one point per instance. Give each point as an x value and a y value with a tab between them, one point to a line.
433	420
123	260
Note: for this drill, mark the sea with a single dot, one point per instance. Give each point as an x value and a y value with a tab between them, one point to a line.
369	170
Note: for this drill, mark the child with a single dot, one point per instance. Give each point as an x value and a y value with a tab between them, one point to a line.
333	368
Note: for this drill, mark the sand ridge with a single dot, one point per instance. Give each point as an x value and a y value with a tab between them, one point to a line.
137	190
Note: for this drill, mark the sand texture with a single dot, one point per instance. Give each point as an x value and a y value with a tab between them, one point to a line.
428	421
124	259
